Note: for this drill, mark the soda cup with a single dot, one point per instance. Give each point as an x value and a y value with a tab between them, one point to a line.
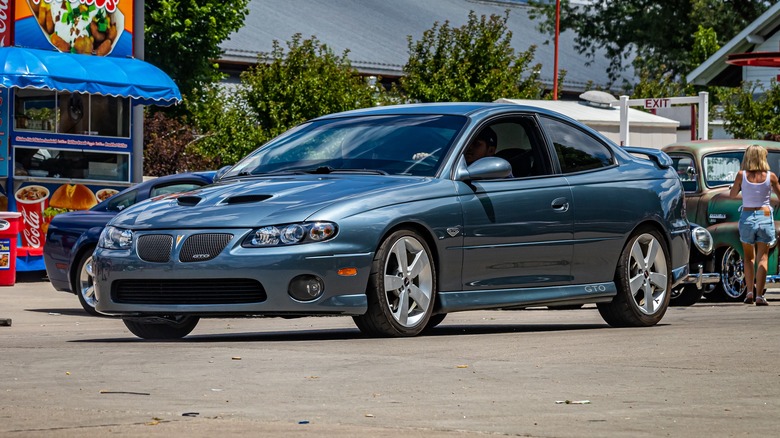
31	201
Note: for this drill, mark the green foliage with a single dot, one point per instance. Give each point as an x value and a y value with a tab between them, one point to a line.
285	89
169	148
658	84
182	37
749	111
474	63
661	33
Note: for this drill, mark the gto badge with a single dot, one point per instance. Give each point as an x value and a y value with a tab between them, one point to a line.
453	231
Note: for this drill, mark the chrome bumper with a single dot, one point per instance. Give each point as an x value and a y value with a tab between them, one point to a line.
700	278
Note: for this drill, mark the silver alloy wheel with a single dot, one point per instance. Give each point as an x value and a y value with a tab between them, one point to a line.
647	274
86	283
408	281
732	273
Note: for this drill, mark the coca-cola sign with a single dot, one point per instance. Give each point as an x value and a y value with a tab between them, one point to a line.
5	23
31	201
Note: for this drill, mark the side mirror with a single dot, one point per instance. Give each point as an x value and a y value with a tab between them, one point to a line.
486	168
221	172
691	172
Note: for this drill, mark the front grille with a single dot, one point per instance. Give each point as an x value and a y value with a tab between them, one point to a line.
203	247
155	247
189	291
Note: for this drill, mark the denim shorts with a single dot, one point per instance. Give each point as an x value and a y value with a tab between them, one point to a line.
756	226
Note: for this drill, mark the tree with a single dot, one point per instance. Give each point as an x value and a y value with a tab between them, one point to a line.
475	62
182	38
661	33
750	111
306	81
169	147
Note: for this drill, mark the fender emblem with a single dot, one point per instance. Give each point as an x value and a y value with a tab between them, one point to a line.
453	231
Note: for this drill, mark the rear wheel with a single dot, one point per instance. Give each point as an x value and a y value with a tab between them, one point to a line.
161	328
643	280
686	295
401	288
83	282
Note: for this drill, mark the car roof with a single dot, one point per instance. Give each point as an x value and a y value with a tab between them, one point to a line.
467	109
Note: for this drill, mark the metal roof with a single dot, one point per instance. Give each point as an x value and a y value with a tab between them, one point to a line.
715	70
375	33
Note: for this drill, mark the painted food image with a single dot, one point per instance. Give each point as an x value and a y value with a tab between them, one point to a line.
104	194
74	27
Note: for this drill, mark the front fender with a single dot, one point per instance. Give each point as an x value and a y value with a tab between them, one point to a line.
726	235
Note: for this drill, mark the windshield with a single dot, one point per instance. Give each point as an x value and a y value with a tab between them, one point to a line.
395	145
720	169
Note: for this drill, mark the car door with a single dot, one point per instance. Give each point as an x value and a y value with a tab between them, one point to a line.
609	201
518	231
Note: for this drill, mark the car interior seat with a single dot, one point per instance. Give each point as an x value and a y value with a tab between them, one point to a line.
521	160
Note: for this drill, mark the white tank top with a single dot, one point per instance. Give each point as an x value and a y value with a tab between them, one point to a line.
755	195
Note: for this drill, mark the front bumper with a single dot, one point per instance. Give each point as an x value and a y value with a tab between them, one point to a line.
216	287
699	278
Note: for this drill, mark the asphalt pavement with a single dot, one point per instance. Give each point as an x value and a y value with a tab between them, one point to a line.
709	370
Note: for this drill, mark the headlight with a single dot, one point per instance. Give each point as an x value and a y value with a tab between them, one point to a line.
702	239
290	234
115	238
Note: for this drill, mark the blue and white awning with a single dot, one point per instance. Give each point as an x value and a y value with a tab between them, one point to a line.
105	75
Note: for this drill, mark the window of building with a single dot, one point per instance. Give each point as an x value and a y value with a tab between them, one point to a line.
71	113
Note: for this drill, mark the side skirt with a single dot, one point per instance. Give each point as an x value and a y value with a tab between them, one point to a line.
526	297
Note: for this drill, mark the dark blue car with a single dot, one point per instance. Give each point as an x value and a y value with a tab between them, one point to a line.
72	237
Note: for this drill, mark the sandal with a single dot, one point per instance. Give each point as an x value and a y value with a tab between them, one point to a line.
761	301
749	298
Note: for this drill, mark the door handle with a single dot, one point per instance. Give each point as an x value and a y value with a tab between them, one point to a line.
560	204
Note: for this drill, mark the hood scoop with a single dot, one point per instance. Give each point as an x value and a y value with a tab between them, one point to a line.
245	199
188	201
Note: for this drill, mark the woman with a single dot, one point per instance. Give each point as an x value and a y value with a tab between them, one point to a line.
756	224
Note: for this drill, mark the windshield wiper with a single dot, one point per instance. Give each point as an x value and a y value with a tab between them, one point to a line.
327	169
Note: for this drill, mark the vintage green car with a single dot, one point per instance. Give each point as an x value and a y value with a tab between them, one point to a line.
707	169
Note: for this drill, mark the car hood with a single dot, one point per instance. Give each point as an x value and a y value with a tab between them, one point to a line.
252	202
81	220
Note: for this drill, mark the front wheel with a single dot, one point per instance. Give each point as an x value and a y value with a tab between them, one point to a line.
160	328
643	280
83	283
732	276
686	295
401	287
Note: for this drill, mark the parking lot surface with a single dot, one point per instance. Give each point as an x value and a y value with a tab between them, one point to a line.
710	370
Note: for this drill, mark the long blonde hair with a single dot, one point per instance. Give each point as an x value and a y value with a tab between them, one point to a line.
755	159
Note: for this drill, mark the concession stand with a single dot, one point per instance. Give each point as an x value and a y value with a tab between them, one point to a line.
71	96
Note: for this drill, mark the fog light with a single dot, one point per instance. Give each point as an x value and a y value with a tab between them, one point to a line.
306	287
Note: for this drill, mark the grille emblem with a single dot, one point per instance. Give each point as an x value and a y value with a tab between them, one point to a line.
201	256
178	239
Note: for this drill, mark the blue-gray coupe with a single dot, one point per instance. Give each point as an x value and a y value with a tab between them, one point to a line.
386	214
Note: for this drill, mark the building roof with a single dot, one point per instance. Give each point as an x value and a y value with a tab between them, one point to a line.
597	116
375	33
715	70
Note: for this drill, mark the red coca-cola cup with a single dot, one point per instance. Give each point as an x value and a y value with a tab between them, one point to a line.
31	201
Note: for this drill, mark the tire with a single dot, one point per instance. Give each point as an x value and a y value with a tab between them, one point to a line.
435	320
83	282
686	295
732	277
643	279
176	328
401	288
